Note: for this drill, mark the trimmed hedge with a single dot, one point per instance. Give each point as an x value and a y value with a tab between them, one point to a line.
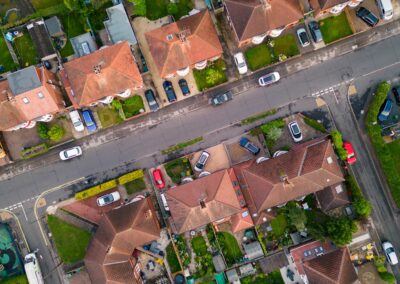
96	190
34	151
361	205
338	143
314	124
130	176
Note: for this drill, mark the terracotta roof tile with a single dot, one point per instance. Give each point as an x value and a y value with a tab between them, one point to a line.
330	198
117	72
241	221
250	18
171	54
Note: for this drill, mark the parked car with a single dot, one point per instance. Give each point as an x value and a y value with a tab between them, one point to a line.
240	62
151	100
295	131
390	253
201	162
367	16
396	95
385	110
269	79
221	98
89	120
303	37
70	153
108	198
315	31
47	65
76	120
351	156
158	179
249	146
169	90
184	87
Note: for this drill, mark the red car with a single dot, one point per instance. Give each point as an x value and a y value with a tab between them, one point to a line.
351	156
158	179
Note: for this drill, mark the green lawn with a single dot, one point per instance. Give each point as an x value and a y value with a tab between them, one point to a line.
230	247
199	246
213	75
20	279
108	116
178	169
25	50
73	24
173	259
279	225
132	106
286	44
259	56
274	277
156	9
43	4
335	27
5	56
181	146
71	242
136	185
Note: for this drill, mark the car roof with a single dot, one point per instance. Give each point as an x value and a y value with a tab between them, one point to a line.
240	56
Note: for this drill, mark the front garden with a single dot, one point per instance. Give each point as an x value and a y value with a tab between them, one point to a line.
214	74
108	116
178	169
335	27
135	186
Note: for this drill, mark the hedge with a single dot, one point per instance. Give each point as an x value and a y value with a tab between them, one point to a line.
130	176
338	142
96	190
361	205
314	124
34	151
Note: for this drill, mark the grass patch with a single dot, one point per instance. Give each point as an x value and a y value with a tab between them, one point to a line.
43	4
274	277
136	185
184	7
230	247
259	56
272	131
182	145
211	76
173	259
71	241
259	116
156	9
279	225
20	279
335	27
98	16
132	106
108	116
314	124
5	57
178	169
73	25
26	51
199	246
286	45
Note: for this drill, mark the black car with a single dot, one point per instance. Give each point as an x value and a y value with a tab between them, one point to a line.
367	16
47	64
315	31
184	87
221	98
396	94
169	90
151	100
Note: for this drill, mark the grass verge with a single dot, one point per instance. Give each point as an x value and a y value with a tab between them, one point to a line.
181	146
259	116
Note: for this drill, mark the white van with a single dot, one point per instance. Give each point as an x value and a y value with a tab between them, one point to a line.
385	9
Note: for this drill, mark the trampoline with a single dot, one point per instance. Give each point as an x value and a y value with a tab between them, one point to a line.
10	259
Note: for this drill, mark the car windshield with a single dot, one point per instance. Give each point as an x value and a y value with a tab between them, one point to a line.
241	64
389	250
295	129
202	159
152	103
303	37
108	198
77	123
159	181
268	78
66	154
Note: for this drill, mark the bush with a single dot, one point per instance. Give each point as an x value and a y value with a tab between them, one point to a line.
56	133
338	143
340	230
116	104
314	124
42	130
387	277
34	151
271	135
140	8
172	8
362	206
92	191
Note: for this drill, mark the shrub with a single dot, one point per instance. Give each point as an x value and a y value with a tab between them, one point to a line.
116	104
362	206
42	130
92	191
340	230
338	143
140	8
172	8
314	124
130	176
271	135
387	277
34	151
56	133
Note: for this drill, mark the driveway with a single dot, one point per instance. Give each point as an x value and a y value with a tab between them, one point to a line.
218	159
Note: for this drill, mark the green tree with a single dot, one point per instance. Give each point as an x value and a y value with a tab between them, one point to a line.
71	4
56	133
387	277
297	217
42	130
172	8
362	207
116	104
140	8
340	230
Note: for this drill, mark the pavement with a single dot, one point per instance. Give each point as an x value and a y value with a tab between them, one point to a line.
137	143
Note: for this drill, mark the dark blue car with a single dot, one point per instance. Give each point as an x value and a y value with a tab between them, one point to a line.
245	143
385	110
89	120
169	90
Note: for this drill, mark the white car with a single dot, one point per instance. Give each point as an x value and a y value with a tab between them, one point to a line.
108	198
390	253
70	153
303	37
76	120
240	63
201	162
269	79
295	131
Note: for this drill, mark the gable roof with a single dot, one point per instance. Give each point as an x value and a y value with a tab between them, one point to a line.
241	221
118	26
307	168
333	197
250	18
219	196
334	267
116	71
171	53
109	255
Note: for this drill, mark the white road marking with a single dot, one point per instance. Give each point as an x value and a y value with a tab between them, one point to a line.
23	211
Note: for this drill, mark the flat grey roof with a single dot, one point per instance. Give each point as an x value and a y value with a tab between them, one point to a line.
23	80
273	262
118	26
53	25
82	44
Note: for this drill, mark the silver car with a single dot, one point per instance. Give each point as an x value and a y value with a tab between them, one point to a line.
201	162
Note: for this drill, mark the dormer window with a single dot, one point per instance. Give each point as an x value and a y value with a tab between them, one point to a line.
40	95
25	100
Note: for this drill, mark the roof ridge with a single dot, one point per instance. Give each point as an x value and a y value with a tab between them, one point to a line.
201	21
302	162
248	21
166	59
342	261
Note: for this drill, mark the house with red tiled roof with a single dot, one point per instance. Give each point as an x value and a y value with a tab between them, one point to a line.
215	198
334	7
188	43
102	75
333	197
110	257
252	20
27	96
308	168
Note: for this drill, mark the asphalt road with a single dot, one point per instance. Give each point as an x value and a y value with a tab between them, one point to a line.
138	144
